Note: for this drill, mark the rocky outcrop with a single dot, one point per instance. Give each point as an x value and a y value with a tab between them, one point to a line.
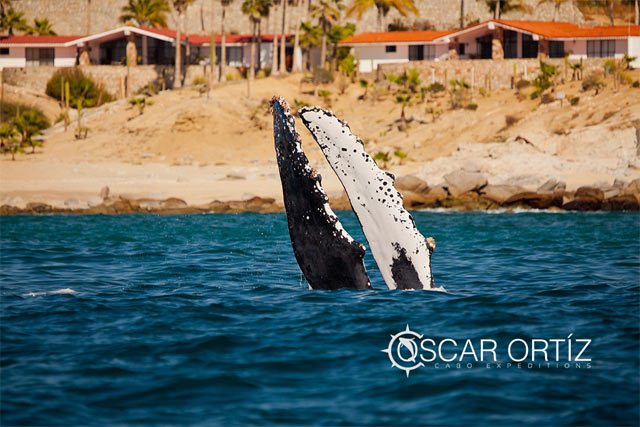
411	183
627	203
531	199
499	194
460	182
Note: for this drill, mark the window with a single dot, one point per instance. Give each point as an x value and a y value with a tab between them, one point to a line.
601	48
556	49
461	49
429	51
39	56
529	46
416	53
4	51
390	48
510	44
234	56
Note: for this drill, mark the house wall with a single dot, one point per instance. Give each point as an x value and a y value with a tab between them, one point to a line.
633	48
372	56
16	58
65	56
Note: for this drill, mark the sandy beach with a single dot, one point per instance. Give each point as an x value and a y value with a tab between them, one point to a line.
201	148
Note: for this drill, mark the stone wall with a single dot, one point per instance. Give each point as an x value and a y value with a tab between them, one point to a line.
93	16
109	76
487	73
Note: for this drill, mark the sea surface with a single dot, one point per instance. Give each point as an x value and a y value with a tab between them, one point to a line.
206	319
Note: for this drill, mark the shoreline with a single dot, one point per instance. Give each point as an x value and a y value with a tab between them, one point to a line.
585	199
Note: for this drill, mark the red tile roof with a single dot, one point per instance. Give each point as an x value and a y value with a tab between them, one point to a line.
231	38
395	37
37	39
568	30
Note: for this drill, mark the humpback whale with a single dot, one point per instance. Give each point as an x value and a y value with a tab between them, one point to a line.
327	255
401	252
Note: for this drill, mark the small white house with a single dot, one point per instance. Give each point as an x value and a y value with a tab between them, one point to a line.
154	46
497	39
28	51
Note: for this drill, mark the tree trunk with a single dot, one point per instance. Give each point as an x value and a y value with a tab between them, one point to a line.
496	12
637	16
252	62
223	46
611	11
177	75
212	43
323	49
283	42
297	52
274	59
461	13
259	44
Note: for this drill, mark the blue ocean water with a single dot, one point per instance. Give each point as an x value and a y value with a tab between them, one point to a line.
206	319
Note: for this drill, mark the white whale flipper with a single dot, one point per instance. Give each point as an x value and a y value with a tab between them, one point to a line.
401	252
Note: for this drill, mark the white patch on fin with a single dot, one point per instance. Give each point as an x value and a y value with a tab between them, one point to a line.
401	252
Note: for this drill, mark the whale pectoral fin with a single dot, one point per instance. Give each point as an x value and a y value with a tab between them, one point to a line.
327	255
401	252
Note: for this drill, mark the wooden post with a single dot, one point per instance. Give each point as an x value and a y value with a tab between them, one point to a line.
513	79
123	93
66	109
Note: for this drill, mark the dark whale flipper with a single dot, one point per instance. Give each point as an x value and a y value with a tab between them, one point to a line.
401	252
328	256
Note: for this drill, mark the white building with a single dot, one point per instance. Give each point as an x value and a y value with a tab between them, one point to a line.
154	46
26	51
497	39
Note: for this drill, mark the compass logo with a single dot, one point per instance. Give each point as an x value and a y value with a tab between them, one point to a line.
403	350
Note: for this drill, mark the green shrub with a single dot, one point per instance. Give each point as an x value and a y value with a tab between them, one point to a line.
435	87
81	87
592	81
472	107
521	84
635	84
574	100
400	154
348	65
322	76
13	109
381	157
199	80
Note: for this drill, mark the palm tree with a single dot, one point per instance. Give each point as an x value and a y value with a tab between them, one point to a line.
283	44
311	36
503	6
383	7
29	124
223	42
297	54
461	13
327	12
11	19
274	60
146	13
251	8
637	13
181	7
8	140
41	27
